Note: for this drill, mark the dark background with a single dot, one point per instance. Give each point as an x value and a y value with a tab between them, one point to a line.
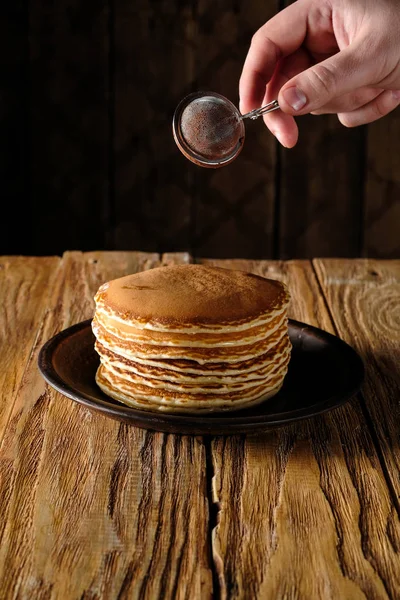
88	162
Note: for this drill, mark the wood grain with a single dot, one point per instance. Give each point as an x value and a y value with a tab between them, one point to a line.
23	305
92	508
235	203
364	299
69	140
382	189
304	511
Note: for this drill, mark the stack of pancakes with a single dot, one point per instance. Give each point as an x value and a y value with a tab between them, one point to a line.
191	339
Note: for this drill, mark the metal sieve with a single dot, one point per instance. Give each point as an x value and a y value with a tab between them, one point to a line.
209	129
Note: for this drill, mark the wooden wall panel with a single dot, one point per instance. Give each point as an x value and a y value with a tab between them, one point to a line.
88	160
382	189
14	104
321	190
235	204
153	71
69	121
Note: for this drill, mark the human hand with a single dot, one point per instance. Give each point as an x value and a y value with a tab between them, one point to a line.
325	56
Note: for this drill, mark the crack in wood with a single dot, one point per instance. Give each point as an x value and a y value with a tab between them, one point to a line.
214	509
363	405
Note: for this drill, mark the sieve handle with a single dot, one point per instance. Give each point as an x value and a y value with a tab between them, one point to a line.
257	112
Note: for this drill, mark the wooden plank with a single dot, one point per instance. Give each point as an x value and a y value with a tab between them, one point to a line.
382	189
234	210
92	508
363	297
304	511
14	100
321	190
23	304
69	125
153	71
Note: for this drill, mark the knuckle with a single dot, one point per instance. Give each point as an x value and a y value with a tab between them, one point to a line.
323	78
356	99
378	109
256	38
260	39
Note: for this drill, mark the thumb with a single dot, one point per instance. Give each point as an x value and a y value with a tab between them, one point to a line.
340	74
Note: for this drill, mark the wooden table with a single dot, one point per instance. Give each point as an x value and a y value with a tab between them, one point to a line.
94	509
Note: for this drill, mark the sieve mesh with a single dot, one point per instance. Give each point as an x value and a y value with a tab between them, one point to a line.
211	127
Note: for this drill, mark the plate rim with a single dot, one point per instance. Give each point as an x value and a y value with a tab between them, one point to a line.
229	421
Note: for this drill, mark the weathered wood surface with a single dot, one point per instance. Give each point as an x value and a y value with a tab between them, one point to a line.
23	306
91	508
364	299
304	512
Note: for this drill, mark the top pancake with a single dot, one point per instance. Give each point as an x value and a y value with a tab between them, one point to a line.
186	296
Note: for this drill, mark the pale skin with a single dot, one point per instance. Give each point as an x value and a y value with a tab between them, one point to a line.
325	56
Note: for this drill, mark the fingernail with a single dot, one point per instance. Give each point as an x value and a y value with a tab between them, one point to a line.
295	97
396	94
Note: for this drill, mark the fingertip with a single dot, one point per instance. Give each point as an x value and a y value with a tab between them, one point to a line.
245	105
248	103
344	120
251	92
283	127
288	139
292	100
281	138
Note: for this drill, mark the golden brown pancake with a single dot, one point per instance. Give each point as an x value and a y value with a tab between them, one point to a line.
183	297
191	338
202	355
200	339
198	383
142	396
190	371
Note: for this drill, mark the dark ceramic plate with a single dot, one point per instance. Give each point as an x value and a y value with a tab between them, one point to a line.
324	372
